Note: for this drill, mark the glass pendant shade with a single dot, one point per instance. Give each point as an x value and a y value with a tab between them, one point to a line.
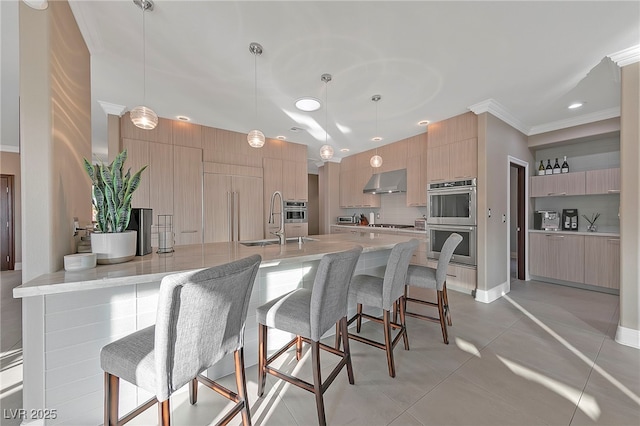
376	161
326	152
255	138
144	118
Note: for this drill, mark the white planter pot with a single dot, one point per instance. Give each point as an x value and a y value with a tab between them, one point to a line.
114	248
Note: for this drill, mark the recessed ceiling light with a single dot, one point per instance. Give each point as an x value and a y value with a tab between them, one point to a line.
295	129
308	104
344	150
376	139
575	105
281	137
423	122
183	118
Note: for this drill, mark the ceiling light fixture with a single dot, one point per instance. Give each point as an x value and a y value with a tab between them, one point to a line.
142	116
575	105
281	137
326	152
308	104
423	123
344	150
376	160
256	137
183	118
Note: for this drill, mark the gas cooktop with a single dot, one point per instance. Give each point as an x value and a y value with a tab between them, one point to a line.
389	225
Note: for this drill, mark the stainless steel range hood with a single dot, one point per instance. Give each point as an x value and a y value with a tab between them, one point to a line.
387	182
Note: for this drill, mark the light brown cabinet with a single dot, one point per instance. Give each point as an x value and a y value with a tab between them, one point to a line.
417	171
354	175
138	157
459	277
558	185
294	180
187	195
296	229
602	261
557	256
605	181
457	160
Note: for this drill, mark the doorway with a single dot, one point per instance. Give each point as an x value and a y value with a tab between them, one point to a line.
7	245
517	223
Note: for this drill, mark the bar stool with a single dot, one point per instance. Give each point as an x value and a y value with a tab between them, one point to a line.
384	293
435	279
200	318
309	314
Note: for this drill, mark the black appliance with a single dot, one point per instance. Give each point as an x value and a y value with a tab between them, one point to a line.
569	219
140	221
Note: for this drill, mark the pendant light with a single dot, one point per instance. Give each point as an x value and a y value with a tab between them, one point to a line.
376	160
142	116
256	137
326	152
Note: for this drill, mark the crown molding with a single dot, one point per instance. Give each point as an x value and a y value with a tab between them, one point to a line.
605	114
37	4
627	56
10	148
112	109
497	110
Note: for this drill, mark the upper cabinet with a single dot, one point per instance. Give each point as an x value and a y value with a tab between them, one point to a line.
355	172
417	170
591	182
605	181
161	134
452	149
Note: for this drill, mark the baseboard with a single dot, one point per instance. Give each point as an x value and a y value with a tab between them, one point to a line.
495	293
628	337
17	266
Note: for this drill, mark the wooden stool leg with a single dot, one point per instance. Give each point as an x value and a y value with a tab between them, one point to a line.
193	391
388	343
338	337
359	320
347	350
164	413
298	348
111	395
262	358
443	324
317	382
402	303
241	383
446	303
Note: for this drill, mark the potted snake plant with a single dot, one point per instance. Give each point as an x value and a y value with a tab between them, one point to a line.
112	192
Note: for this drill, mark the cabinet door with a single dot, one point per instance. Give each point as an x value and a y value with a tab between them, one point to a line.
463	159
602	261
416	171
217	208
296	229
542	186
346	179
301	181
437	163
289	177
248	207
187	195
161	178
557	256
605	181
137	157
569	183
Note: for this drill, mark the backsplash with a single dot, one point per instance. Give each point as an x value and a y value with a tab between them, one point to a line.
607	205
393	209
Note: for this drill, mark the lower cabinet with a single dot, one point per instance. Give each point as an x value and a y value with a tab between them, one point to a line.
593	260
459	277
296	229
602	261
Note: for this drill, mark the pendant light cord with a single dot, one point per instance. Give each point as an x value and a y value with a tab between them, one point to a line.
326	113
144	56
255	74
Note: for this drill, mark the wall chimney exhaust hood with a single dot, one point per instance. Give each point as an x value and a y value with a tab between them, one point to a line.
387	182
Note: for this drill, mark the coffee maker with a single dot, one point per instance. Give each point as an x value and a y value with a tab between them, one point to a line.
570	219
546	220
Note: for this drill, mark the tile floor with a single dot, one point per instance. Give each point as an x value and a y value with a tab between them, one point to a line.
542	355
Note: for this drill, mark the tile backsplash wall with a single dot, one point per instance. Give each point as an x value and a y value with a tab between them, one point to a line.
393	209
607	205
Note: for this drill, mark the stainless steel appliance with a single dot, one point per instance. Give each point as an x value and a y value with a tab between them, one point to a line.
346	220
387	182
140	222
546	220
452	203
420	224
295	211
569	219
465	252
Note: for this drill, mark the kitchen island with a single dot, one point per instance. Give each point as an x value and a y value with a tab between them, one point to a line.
69	316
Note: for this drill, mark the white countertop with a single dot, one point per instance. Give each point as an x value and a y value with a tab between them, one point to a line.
153	267
590	234
366	228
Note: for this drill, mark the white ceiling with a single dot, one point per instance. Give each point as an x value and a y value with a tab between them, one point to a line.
428	60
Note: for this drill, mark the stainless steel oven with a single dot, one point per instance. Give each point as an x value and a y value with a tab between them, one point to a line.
295	211
466	250
452	203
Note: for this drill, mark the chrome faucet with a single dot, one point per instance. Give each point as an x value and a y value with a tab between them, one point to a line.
280	232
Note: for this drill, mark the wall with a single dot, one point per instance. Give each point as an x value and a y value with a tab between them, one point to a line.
513	210
393	209
629	328
10	165
55	134
496	142
9	66
313	206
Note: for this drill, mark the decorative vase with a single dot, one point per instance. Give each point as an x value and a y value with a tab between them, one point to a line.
118	247
592	228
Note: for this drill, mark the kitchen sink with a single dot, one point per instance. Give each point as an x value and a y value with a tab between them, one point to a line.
270	242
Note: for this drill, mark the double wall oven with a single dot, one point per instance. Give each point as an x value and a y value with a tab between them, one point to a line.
451	208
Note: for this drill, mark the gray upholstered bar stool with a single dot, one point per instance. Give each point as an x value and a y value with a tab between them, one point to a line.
436	279
309	314
384	293
200	318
